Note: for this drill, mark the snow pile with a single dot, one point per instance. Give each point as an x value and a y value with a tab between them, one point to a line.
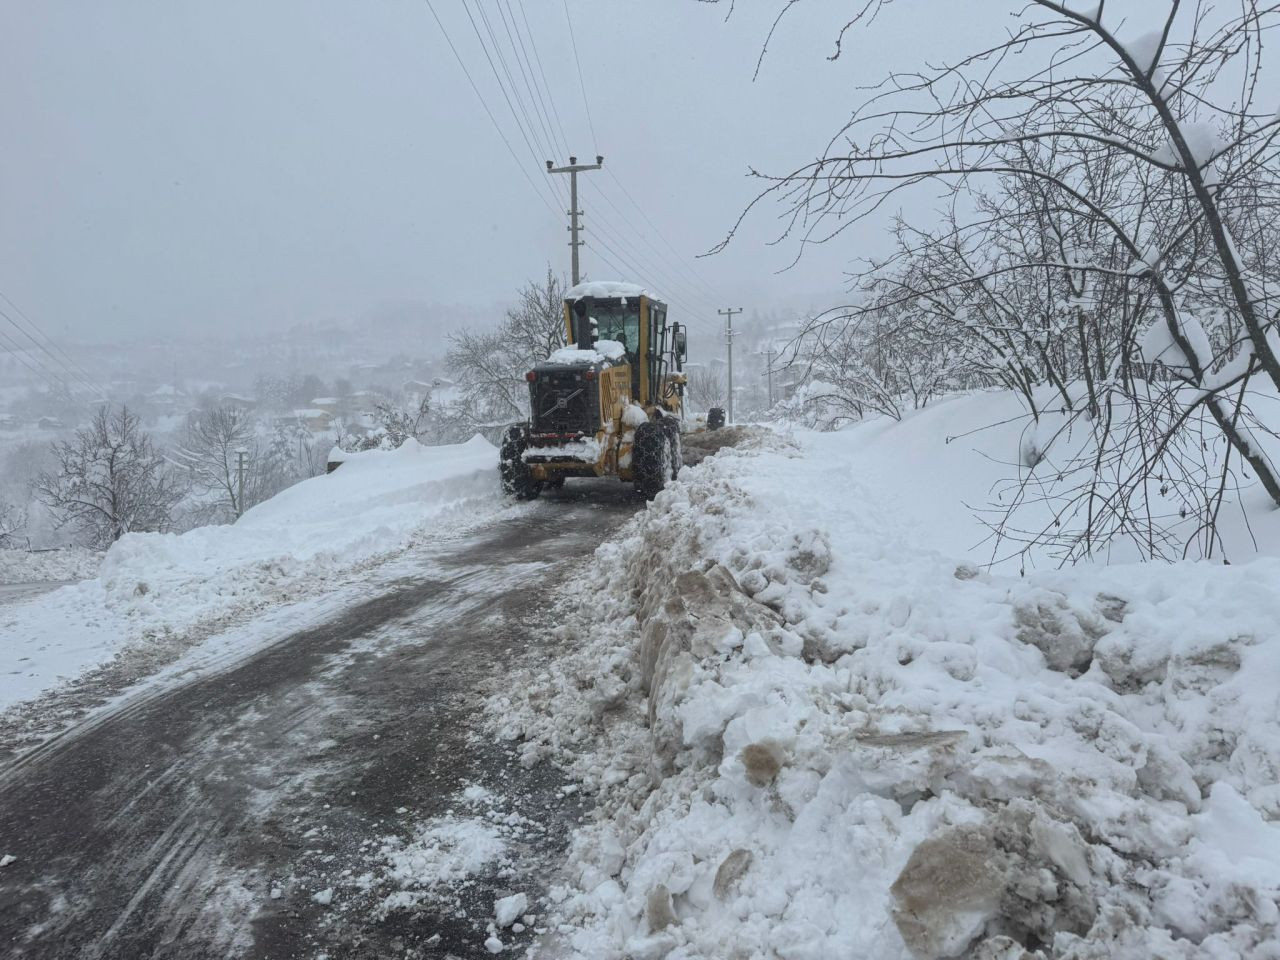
440	857
810	736
604	350
154	589
587	450
70	563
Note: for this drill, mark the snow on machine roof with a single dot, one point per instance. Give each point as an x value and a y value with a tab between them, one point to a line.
604	350
607	289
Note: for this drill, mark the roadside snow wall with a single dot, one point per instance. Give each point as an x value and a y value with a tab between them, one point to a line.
808	738
164	591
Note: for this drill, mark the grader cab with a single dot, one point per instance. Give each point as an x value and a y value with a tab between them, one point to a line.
607	405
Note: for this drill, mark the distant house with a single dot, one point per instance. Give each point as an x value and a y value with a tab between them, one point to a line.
329	404
237	402
313	418
9	422
51	423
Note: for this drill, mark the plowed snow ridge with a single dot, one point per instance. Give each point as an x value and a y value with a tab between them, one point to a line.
810	737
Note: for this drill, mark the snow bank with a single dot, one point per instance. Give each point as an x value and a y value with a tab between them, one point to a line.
154	588
948	471
70	563
809	735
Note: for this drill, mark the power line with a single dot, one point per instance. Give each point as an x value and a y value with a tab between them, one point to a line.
627	269
647	268
595	143
661	235
515	115
533	43
33	364
653	265
657	259
69	362
522	60
492	119
496	47
67	366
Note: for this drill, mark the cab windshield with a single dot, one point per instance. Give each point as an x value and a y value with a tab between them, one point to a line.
614	321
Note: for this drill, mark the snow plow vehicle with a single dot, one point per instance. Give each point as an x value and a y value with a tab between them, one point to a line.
609	404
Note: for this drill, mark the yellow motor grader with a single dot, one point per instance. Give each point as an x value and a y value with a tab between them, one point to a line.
607	405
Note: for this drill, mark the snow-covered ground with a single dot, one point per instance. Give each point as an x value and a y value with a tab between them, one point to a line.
70	563
158	591
815	727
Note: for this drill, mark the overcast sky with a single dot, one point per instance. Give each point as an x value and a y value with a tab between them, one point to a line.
187	165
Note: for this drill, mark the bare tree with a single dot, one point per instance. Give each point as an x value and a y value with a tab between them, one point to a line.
13	521
490	367
396	424
706	388
208	449
1125	181
110	480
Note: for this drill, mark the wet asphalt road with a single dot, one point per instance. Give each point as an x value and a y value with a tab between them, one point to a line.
13	592
200	821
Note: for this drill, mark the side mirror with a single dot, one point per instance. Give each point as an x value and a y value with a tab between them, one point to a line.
679	344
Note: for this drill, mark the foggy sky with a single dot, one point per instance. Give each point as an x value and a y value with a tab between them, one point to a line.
184	166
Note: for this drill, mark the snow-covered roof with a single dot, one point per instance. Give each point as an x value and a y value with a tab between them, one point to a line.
323	401
309	412
608	288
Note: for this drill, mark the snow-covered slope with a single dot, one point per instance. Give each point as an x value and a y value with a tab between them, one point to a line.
812	734
164	589
946	473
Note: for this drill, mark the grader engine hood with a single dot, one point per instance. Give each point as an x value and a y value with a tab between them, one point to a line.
564	400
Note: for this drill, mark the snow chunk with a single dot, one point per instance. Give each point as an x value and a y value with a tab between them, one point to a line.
507	910
7	859
1143	49
444	852
323	897
634	415
1157	345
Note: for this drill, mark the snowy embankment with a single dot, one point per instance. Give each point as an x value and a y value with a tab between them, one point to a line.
70	563
810	735
161	590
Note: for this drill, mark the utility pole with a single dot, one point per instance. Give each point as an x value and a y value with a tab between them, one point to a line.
242	459
573	169
728	337
769	355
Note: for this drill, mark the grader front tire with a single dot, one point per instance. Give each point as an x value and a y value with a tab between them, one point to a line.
517	478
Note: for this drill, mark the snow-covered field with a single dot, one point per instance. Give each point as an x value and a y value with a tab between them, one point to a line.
166	591
816	728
